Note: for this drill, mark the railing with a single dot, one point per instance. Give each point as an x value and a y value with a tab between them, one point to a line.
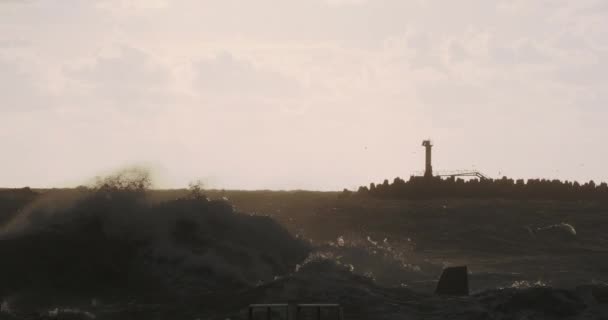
294	311
464	174
456	173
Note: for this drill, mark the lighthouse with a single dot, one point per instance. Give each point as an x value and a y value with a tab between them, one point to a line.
428	145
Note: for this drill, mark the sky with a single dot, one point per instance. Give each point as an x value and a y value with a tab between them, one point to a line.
301	94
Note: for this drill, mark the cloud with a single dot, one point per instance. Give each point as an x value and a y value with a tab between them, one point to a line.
300	78
21	90
130	6
13	43
15	1
345	2
128	78
227	77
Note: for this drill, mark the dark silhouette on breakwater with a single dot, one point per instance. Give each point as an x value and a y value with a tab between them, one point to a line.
452	187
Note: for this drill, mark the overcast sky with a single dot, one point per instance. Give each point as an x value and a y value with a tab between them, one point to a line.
307	94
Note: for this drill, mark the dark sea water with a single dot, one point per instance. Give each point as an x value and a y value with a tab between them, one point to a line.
92	254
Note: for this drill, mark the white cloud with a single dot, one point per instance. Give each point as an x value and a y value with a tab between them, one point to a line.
345	2
294	86
129	78
227	76
21	89
121	7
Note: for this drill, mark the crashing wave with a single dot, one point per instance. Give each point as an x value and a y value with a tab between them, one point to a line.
113	240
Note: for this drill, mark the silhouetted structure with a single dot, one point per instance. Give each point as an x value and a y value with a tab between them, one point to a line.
452	187
454	281
294	311
428	171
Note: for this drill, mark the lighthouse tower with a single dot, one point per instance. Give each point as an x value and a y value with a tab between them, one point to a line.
428	145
